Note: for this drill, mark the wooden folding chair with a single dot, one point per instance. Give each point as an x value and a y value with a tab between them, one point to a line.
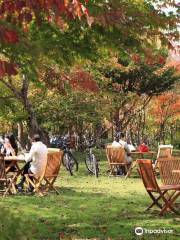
164	151
169	169
116	159
7	183
35	182
147	174
52	169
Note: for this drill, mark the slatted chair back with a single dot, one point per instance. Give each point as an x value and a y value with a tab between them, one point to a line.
168	168
2	167
147	174
115	155
164	151
54	160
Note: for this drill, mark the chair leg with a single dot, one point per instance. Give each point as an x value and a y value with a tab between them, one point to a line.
36	185
168	204
8	189
155	201
111	170
50	185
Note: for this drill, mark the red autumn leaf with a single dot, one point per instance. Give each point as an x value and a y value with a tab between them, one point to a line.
7	68
82	80
10	69
2	69
9	6
20	4
161	60
9	36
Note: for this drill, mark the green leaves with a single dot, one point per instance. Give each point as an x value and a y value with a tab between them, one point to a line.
143	79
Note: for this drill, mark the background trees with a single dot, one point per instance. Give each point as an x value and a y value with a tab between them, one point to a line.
56	57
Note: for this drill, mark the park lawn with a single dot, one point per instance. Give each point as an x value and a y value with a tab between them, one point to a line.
87	208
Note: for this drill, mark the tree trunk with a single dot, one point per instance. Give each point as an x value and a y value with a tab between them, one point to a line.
33	125
21	138
22	95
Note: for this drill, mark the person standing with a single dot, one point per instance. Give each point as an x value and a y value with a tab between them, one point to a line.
36	161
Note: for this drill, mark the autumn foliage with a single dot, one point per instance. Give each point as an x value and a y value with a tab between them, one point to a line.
7	68
23	11
20	13
166	107
78	79
82	80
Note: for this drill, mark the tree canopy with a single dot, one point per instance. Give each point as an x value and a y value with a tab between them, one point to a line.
87	52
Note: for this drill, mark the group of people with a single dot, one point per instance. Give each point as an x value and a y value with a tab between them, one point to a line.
120	141
36	159
8	145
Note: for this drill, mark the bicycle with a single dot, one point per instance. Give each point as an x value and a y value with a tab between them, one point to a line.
69	161
90	160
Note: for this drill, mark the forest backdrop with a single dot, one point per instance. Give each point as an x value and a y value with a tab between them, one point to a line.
90	66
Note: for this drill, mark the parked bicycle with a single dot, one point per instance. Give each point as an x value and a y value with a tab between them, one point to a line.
90	160
69	161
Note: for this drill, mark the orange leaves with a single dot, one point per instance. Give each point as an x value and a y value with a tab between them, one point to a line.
149	59
165	107
81	80
78	79
136	58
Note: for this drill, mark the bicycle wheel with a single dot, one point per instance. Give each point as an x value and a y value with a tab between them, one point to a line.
72	165
89	163
92	164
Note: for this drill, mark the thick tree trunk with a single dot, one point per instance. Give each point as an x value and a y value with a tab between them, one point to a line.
22	96
33	125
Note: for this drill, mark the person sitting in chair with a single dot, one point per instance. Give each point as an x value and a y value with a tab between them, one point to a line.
124	144
36	161
143	147
9	148
119	141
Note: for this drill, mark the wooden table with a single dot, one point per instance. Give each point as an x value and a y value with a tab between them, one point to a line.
142	154
14	160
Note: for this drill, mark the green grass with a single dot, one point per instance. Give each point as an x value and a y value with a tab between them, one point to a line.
87	208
